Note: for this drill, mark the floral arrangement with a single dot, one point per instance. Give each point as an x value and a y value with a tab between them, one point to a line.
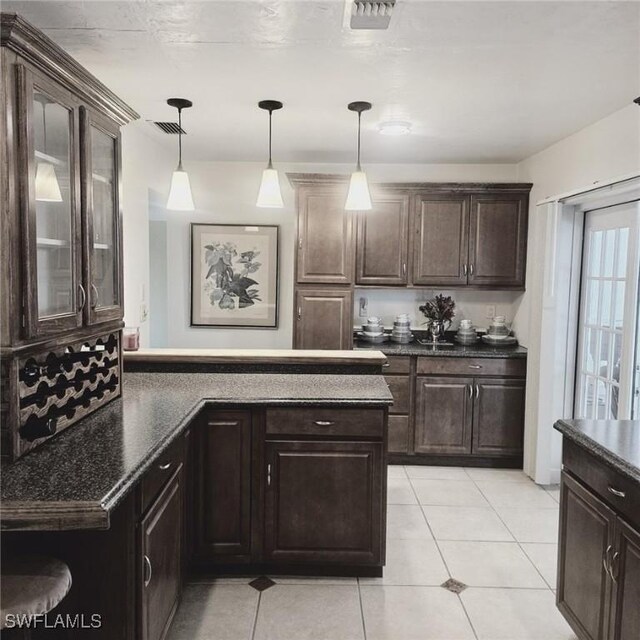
439	309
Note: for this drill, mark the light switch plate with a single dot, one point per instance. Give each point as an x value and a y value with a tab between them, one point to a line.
364	308
491	311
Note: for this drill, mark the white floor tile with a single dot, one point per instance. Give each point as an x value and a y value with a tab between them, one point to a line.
515	614
490	564
516	494
411	562
399	491
406	521
459	493
466	523
545	558
436	473
413	613
396	471
531	524
479	474
309	612
215	611
302	580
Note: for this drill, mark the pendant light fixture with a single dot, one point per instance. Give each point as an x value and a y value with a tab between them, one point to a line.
270	195
47	187
180	198
358	198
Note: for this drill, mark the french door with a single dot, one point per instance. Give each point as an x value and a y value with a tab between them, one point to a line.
607	380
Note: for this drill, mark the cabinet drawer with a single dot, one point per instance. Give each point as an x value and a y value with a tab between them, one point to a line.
398	434
161	472
516	367
397	364
319	421
400	390
602	479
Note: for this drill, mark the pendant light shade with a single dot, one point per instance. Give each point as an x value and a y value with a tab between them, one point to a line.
47	187
180	196
269	195
358	197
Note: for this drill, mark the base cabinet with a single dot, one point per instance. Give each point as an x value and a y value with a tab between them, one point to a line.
323	502
160	559
598	587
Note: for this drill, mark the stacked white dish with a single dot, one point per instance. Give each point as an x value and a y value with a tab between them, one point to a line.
401	331
498	332
467	333
373	330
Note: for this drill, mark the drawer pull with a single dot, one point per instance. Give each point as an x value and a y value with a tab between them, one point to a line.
147	570
475	366
386	365
323	423
616	492
164	467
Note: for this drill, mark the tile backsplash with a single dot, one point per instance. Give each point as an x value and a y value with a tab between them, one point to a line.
474	305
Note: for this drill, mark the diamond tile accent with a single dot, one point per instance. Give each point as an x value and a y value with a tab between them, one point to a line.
453	585
262	583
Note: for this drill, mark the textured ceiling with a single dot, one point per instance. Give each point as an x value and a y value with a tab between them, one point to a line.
479	81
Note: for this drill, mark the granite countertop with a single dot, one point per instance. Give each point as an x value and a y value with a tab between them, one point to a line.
88	469
615	442
480	350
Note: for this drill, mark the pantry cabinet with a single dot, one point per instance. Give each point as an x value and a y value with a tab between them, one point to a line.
61	237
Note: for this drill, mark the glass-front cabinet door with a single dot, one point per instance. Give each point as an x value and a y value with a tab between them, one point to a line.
101	206
50	202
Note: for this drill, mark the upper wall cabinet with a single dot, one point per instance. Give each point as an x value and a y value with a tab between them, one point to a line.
498	239
382	241
325	236
61	223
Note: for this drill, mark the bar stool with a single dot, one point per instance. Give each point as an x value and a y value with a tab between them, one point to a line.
31	585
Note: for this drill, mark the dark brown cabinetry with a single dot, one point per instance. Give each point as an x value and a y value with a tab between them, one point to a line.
223	487
161	532
382	242
498	239
323	318
440	240
324	502
598	586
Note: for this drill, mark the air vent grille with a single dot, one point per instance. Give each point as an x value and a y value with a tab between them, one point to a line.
370	14
170	127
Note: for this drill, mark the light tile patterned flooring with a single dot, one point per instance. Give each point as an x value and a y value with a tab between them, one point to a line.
494	530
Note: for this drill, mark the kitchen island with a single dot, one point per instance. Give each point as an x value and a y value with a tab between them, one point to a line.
598	587
205	472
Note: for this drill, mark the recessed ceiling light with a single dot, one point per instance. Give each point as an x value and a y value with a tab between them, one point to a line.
394	128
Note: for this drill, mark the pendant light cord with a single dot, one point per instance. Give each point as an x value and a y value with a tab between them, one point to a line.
179	139
270	165
358	167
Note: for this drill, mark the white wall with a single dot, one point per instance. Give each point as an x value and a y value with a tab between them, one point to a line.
606	149
146	169
225	192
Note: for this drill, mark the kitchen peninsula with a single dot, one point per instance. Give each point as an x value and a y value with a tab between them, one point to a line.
214	472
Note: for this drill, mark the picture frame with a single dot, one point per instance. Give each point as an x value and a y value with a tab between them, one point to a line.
234	275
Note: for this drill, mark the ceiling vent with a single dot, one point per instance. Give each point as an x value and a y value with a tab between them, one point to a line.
369	14
170	127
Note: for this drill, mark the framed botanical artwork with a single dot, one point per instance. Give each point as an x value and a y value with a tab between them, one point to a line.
234	275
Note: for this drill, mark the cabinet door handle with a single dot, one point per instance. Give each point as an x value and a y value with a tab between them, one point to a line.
470	388
299	313
471	269
616	492
404	268
268	475
475	366
464	269
95	296
613	566
323	423
148	571
164	467
300	243
477	391
83	297
605	562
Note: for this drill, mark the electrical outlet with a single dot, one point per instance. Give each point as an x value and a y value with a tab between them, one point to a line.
144	312
491	311
364	308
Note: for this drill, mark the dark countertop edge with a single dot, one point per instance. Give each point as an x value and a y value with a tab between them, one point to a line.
23	516
419	350
598	450
208	358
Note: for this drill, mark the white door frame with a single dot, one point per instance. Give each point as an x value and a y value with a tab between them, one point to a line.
551	372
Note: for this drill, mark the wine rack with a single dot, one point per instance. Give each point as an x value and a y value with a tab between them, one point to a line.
57	388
